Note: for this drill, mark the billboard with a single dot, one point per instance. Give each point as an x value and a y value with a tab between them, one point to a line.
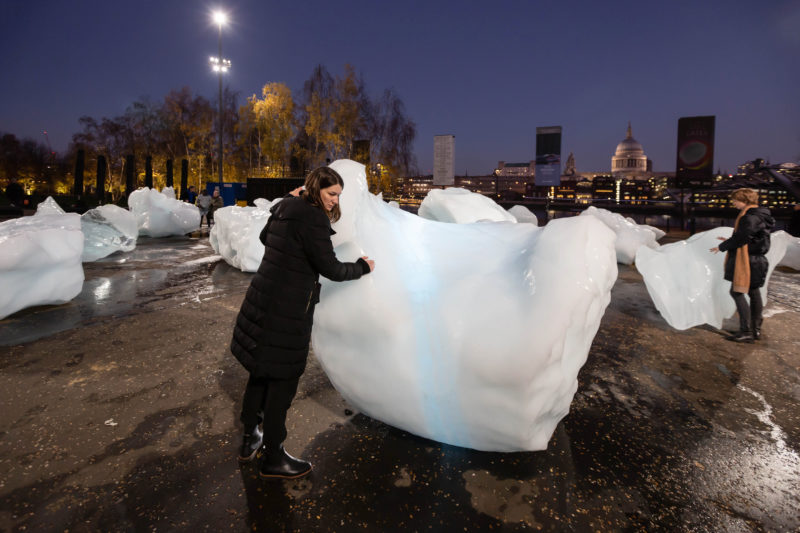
548	157
444	159
695	157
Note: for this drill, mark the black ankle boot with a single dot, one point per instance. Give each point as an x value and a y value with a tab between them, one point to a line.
757	328
279	464
251	442
742	336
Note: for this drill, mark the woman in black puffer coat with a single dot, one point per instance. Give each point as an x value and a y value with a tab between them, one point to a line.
746	265
273	329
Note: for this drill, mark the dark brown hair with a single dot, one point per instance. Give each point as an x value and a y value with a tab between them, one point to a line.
322	178
748	196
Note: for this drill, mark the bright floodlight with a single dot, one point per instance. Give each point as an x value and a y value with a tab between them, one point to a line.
220	18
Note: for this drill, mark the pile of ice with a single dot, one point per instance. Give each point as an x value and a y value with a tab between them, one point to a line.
40	259
469	334
461	206
791	258
49	207
108	229
686	281
523	214
630	235
235	234
158	215
169	192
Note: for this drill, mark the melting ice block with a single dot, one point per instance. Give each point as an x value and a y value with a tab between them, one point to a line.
791	258
469	334
40	260
158	215
235	234
630	236
108	229
461	206
686	281
49	207
523	214
169	192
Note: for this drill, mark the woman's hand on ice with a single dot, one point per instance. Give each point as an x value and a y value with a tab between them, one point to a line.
370	262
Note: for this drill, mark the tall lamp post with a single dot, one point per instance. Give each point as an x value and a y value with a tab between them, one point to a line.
220	66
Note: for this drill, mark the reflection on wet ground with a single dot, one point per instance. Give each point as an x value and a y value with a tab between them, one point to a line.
158	273
127	420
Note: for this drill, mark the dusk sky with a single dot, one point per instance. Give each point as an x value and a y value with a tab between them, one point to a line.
487	72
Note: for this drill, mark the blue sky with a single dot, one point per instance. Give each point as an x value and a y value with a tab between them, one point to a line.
489	73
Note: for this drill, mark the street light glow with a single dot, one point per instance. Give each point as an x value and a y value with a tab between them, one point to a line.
220	18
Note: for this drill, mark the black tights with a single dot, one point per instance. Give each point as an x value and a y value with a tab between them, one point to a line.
267	400
748	314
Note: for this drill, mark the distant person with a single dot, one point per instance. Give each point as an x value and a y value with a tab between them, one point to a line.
189	195
794	222
204	203
273	328
15	193
216	203
746	263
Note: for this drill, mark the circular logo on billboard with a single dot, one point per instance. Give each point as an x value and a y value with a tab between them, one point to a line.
694	154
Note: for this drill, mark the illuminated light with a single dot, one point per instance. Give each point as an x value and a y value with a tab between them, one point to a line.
220	18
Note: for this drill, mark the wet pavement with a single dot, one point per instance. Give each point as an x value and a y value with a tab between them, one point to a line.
120	413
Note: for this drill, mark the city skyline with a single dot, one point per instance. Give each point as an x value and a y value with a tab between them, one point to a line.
489	76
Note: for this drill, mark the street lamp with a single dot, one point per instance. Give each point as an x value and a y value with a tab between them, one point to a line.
220	66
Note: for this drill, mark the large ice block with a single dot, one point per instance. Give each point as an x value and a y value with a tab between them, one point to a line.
461	206
108	229
235	233
158	215
630	235
469	334
40	260
523	214
791	258
686	281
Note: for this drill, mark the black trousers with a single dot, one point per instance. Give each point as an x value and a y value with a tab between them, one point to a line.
266	402
749	315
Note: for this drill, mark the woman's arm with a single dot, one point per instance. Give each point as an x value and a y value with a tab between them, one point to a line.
741	236
316	240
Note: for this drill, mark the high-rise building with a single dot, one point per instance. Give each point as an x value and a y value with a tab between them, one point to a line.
444	159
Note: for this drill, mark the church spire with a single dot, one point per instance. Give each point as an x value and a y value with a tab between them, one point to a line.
630	133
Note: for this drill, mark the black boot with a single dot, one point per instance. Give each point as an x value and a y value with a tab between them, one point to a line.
757	328
251	442
279	464
742	336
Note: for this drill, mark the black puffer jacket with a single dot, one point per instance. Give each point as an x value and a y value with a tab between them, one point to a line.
273	329
753	230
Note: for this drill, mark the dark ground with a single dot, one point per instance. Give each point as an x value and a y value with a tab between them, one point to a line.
120	413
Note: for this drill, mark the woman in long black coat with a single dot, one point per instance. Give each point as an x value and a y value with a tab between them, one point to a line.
746	265
273	328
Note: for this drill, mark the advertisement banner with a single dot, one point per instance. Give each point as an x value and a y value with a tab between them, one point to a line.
548	157
695	161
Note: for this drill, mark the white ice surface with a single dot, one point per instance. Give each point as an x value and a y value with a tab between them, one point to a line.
235	234
49	207
461	206
169	192
523	214
40	259
791	258
469	334
158	215
108	229
630	236
686	281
